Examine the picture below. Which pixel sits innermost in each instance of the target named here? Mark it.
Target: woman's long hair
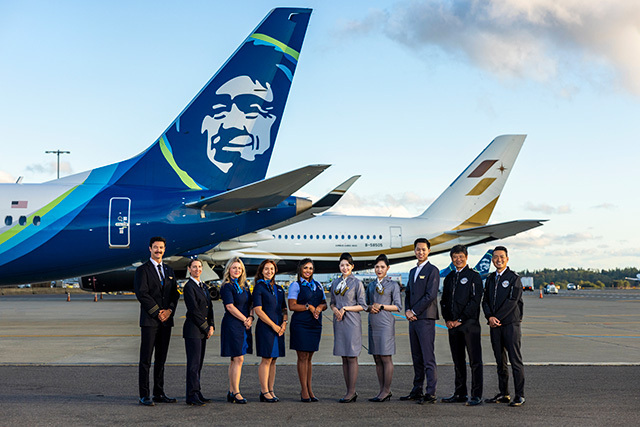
(260, 275)
(301, 264)
(227, 278)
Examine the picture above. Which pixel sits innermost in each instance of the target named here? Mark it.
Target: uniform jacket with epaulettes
(153, 296)
(199, 315)
(503, 300)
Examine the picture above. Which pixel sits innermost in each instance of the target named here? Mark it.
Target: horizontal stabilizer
(325, 203)
(501, 230)
(263, 194)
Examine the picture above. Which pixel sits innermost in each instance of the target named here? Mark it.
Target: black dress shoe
(456, 398)
(378, 399)
(517, 401)
(349, 400)
(313, 399)
(474, 401)
(195, 402)
(264, 398)
(163, 398)
(412, 396)
(499, 398)
(233, 398)
(428, 398)
(146, 401)
(203, 399)
(274, 396)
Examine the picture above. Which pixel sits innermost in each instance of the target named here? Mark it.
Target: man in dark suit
(503, 308)
(422, 312)
(198, 328)
(157, 290)
(460, 303)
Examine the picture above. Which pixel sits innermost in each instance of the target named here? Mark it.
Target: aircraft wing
(325, 203)
(262, 194)
(501, 230)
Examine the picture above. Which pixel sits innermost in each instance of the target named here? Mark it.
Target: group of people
(462, 298)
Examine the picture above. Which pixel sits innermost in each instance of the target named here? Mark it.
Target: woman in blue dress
(383, 298)
(307, 301)
(271, 309)
(235, 336)
(347, 301)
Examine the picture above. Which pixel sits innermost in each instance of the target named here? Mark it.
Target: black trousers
(195, 348)
(505, 341)
(466, 337)
(422, 335)
(153, 338)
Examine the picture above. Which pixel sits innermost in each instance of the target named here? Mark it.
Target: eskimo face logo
(240, 126)
(485, 263)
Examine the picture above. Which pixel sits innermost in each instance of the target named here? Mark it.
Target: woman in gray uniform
(383, 297)
(347, 300)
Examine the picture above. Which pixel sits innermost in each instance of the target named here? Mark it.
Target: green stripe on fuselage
(184, 177)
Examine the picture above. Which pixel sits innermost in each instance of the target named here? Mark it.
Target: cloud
(548, 209)
(534, 239)
(404, 205)
(532, 39)
(50, 168)
(6, 177)
(606, 206)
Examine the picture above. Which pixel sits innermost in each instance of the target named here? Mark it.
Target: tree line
(586, 278)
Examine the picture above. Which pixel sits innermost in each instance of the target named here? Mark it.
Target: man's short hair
(501, 248)
(157, 239)
(458, 249)
(422, 240)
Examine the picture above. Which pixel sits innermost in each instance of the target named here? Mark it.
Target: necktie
(161, 275)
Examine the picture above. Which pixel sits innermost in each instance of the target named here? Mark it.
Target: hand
(410, 316)
(210, 332)
(311, 308)
(248, 322)
(375, 308)
(317, 312)
(494, 322)
(163, 315)
(338, 314)
(282, 328)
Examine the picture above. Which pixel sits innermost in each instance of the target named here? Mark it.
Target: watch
(381, 307)
(306, 306)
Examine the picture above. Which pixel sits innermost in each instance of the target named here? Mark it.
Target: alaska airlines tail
(471, 198)
(224, 138)
(482, 267)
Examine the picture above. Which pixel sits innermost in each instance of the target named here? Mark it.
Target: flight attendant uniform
(235, 339)
(347, 333)
(270, 297)
(306, 329)
(382, 325)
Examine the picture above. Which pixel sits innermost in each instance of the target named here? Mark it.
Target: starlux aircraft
(200, 183)
(460, 215)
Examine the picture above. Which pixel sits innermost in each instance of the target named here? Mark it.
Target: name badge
(464, 280)
(421, 277)
(505, 284)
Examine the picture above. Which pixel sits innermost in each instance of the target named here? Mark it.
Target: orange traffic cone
(95, 297)
(68, 296)
(540, 293)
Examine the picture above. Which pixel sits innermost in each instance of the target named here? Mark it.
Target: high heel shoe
(384, 399)
(231, 398)
(274, 396)
(349, 400)
(264, 398)
(302, 399)
(314, 399)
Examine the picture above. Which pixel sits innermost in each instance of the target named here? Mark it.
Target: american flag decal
(19, 204)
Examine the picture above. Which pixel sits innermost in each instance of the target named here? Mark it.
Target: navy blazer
(153, 296)
(503, 300)
(199, 311)
(422, 295)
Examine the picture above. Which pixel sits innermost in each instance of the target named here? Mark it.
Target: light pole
(58, 152)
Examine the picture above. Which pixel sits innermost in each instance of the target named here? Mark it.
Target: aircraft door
(396, 236)
(119, 220)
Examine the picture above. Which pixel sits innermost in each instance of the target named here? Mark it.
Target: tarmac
(75, 363)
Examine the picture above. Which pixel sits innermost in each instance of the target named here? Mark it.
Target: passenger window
(298, 237)
(374, 237)
(311, 236)
(36, 220)
(286, 237)
(22, 220)
(324, 236)
(329, 236)
(305, 237)
(361, 237)
(8, 220)
(342, 237)
(349, 237)
(380, 237)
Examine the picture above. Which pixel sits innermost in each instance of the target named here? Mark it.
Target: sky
(404, 93)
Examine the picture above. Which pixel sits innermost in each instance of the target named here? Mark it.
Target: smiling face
(157, 251)
(422, 252)
(236, 270)
(307, 271)
(268, 271)
(195, 270)
(240, 124)
(381, 269)
(459, 260)
(345, 268)
(500, 260)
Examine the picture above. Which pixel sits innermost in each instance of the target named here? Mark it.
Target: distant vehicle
(550, 289)
(571, 287)
(24, 286)
(527, 283)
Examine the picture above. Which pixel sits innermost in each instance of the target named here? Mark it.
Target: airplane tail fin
(483, 266)
(225, 137)
(473, 195)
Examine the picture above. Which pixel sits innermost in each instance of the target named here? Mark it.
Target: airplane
(460, 215)
(482, 267)
(200, 183)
